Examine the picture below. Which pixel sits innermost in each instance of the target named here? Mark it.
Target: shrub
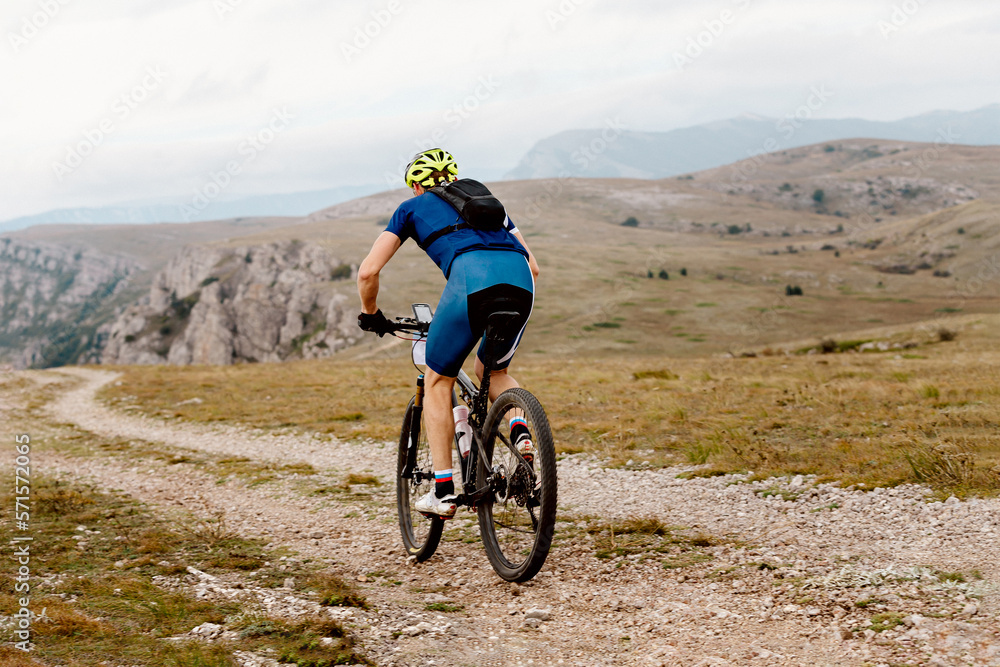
(828, 148)
(664, 275)
(661, 374)
(630, 222)
(818, 196)
(734, 229)
(684, 272)
(961, 230)
(948, 464)
(944, 334)
(828, 346)
(341, 272)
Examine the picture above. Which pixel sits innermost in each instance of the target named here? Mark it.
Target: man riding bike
(487, 272)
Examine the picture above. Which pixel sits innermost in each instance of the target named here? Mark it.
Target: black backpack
(475, 204)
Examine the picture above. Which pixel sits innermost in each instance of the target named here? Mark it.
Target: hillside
(62, 285)
(619, 152)
(739, 250)
(705, 263)
(150, 244)
(53, 299)
(863, 177)
(219, 305)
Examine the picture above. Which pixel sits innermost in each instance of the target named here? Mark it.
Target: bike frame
(477, 400)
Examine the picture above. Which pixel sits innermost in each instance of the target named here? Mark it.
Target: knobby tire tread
(424, 549)
(545, 455)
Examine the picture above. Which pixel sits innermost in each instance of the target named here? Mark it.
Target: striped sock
(517, 426)
(444, 485)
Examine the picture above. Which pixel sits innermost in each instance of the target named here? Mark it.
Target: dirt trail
(780, 588)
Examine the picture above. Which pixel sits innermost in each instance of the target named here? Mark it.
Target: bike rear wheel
(420, 534)
(517, 517)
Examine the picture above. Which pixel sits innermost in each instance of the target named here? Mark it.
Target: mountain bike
(515, 499)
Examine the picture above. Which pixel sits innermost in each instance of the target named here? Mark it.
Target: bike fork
(411, 450)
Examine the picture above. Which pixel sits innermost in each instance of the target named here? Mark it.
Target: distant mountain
(612, 152)
(290, 204)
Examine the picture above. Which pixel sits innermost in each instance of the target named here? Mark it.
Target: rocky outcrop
(53, 299)
(215, 305)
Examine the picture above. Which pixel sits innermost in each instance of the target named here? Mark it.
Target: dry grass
(650, 537)
(866, 418)
(333, 591)
(100, 600)
(12, 657)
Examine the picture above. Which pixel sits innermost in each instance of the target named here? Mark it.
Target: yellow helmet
(426, 164)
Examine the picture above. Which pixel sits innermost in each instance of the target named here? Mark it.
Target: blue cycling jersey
(421, 216)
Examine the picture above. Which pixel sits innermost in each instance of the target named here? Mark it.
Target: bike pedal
(430, 515)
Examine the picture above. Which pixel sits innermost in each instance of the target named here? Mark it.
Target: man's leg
(500, 381)
(438, 418)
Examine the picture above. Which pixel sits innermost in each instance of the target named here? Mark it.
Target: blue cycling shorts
(481, 282)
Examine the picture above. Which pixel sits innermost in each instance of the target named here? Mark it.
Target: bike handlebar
(410, 325)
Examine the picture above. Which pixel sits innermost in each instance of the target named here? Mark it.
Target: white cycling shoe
(431, 505)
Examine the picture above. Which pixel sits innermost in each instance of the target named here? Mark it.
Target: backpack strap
(475, 205)
(426, 243)
(456, 196)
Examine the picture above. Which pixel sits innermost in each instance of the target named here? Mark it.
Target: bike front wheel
(517, 516)
(421, 535)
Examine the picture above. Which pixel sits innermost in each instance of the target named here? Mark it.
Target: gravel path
(791, 561)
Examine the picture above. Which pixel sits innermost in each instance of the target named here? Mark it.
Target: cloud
(370, 82)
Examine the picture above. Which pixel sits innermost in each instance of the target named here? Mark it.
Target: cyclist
(487, 272)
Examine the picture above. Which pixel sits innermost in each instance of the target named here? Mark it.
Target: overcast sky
(120, 100)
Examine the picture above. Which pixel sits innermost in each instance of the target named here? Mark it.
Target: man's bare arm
(383, 249)
(531, 257)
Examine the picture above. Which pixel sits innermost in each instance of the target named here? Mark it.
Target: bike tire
(421, 535)
(517, 535)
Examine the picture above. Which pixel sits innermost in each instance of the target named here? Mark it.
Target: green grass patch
(864, 603)
(886, 621)
(335, 592)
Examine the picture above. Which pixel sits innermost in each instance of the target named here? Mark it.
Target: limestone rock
(52, 298)
(217, 305)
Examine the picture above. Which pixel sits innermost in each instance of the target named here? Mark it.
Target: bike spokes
(518, 516)
(420, 534)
